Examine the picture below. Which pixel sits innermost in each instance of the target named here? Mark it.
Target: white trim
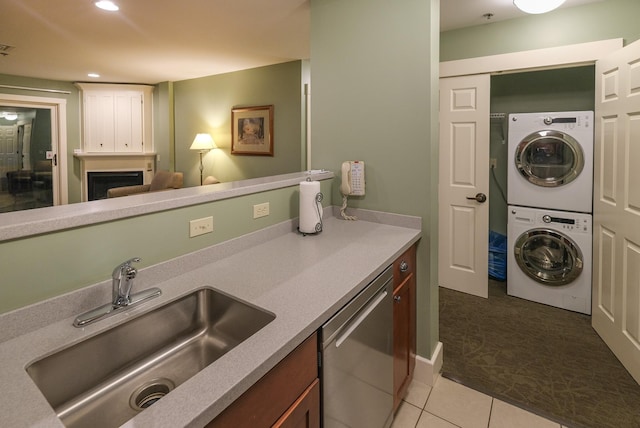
(427, 371)
(569, 55)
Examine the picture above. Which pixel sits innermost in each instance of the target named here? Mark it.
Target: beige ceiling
(150, 41)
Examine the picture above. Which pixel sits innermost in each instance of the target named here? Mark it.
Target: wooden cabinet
(287, 396)
(305, 412)
(404, 323)
(116, 118)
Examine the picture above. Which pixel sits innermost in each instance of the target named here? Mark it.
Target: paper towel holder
(318, 201)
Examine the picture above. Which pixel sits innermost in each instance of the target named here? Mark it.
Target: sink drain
(149, 393)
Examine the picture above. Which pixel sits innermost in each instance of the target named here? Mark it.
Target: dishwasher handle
(360, 319)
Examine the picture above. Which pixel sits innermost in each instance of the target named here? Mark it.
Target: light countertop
(303, 280)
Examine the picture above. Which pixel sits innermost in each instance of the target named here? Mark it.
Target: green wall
(204, 105)
(40, 136)
(373, 83)
(163, 126)
(72, 259)
(568, 89)
(596, 21)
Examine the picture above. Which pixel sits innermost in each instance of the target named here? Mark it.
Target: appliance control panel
(572, 224)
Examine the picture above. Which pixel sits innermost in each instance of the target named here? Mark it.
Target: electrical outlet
(494, 163)
(261, 210)
(200, 226)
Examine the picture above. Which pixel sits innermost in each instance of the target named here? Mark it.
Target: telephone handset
(352, 178)
(352, 184)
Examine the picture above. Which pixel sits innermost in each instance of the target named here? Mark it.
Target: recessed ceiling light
(94, 75)
(107, 5)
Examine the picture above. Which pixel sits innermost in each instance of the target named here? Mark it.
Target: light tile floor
(449, 405)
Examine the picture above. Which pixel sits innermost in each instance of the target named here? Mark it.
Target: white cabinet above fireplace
(117, 118)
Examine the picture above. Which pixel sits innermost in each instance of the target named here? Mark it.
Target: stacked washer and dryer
(549, 231)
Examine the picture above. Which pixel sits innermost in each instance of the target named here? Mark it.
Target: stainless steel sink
(109, 378)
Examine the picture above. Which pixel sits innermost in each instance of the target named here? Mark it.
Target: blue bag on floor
(497, 256)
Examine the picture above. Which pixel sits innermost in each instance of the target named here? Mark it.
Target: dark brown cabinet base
(404, 323)
(287, 396)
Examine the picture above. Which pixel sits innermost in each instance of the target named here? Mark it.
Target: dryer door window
(549, 158)
(548, 256)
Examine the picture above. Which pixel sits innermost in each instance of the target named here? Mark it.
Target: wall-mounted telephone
(352, 178)
(352, 184)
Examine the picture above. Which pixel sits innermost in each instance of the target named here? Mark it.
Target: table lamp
(203, 143)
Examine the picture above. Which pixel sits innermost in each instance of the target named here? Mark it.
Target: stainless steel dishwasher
(357, 360)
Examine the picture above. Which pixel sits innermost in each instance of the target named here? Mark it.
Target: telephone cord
(344, 207)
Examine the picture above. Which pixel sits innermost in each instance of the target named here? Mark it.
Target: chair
(163, 180)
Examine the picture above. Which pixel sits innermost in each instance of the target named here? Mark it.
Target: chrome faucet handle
(122, 267)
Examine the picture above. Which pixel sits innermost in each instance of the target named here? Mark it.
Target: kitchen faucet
(121, 297)
(122, 281)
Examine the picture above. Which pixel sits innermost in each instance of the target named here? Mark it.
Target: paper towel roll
(310, 207)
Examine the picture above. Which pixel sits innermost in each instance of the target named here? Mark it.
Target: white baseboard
(427, 371)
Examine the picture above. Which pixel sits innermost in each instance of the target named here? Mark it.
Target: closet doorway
(615, 276)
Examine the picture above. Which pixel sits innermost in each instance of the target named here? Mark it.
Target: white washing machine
(551, 160)
(549, 257)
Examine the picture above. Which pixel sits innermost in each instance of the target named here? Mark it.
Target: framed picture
(252, 130)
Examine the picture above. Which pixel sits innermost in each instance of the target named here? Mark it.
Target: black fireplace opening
(99, 182)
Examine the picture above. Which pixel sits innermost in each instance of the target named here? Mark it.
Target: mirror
(195, 110)
(170, 48)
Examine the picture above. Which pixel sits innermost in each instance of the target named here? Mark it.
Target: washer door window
(548, 257)
(549, 158)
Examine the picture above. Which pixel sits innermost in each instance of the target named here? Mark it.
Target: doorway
(32, 134)
(25, 171)
(565, 89)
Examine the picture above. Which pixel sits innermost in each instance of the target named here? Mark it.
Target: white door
(8, 149)
(616, 206)
(463, 212)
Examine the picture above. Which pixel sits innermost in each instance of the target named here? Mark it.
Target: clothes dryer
(549, 258)
(551, 160)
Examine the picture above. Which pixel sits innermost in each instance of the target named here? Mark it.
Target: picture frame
(252, 130)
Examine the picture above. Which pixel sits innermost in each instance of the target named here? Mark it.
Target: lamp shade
(537, 6)
(203, 142)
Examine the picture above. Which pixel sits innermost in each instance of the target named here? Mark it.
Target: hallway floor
(543, 359)
(450, 405)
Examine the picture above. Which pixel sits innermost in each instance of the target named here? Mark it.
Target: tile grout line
(490, 412)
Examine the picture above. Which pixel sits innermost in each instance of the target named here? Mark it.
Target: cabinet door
(277, 393)
(128, 123)
(305, 412)
(98, 122)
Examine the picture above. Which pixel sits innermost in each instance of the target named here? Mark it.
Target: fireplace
(98, 182)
